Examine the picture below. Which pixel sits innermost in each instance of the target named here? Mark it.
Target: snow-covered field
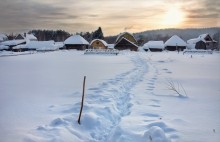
(126, 97)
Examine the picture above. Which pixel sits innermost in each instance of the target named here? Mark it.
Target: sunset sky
(114, 16)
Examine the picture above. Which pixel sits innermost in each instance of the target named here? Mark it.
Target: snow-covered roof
(76, 39)
(41, 45)
(27, 36)
(3, 47)
(31, 37)
(154, 44)
(203, 36)
(102, 41)
(121, 34)
(13, 42)
(127, 41)
(175, 41)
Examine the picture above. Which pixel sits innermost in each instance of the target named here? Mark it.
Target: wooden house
(204, 41)
(76, 42)
(175, 43)
(126, 41)
(125, 44)
(98, 44)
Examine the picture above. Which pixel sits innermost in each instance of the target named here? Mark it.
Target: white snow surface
(126, 97)
(76, 39)
(175, 41)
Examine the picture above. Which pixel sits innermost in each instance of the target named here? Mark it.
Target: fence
(102, 51)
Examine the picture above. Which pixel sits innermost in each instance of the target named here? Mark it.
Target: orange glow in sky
(114, 16)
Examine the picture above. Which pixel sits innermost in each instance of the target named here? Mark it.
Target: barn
(204, 41)
(175, 43)
(154, 46)
(126, 41)
(98, 44)
(125, 44)
(76, 42)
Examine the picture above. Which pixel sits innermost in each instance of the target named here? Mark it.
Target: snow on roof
(154, 44)
(102, 41)
(76, 39)
(200, 38)
(31, 37)
(203, 36)
(193, 41)
(127, 41)
(13, 42)
(121, 34)
(175, 41)
(27, 36)
(3, 47)
(42, 45)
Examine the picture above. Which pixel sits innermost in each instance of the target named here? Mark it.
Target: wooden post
(80, 113)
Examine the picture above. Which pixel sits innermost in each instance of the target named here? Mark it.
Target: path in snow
(146, 122)
(105, 106)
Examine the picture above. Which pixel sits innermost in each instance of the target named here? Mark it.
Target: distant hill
(164, 34)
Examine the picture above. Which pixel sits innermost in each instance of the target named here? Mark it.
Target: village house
(154, 46)
(76, 42)
(175, 43)
(204, 41)
(126, 41)
(98, 44)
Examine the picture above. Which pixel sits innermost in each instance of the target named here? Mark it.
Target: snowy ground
(126, 97)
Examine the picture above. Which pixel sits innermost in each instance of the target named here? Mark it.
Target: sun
(173, 17)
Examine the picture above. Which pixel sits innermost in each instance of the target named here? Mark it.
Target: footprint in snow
(154, 105)
(150, 115)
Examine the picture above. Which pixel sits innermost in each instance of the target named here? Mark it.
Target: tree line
(60, 35)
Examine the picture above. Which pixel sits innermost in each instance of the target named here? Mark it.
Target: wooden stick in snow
(80, 113)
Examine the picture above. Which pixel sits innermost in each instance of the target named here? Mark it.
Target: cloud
(114, 16)
(28, 14)
(203, 9)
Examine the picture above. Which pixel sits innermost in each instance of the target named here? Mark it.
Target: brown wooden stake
(80, 113)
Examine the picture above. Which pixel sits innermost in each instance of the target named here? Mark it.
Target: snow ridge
(104, 107)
